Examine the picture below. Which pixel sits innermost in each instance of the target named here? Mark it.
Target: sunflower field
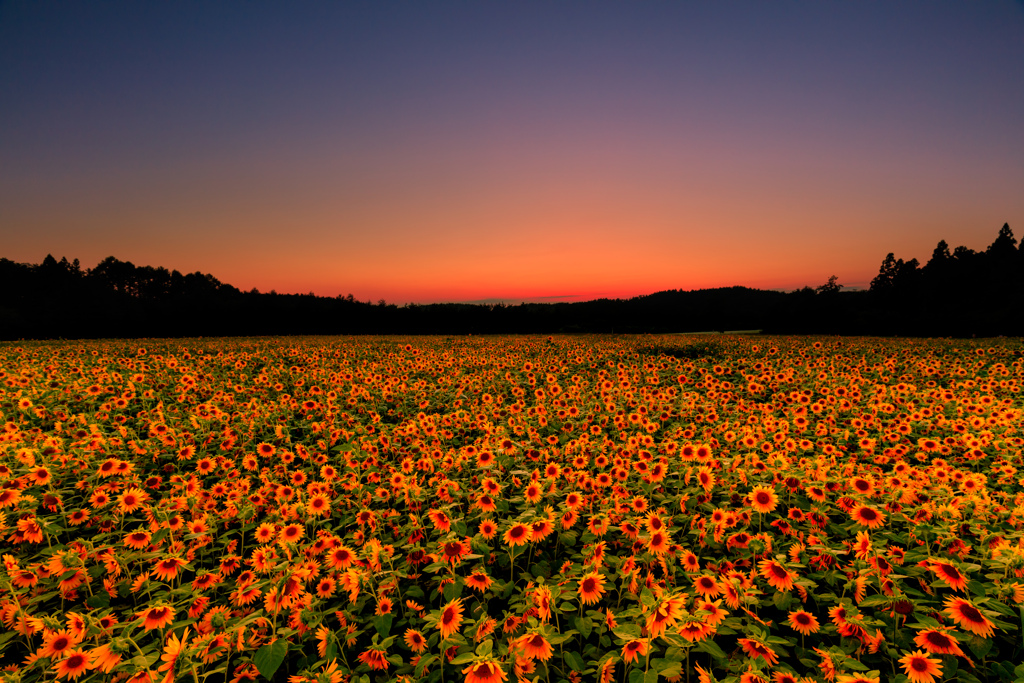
(611, 509)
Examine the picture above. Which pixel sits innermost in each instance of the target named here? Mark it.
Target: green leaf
(269, 657)
(98, 600)
(383, 624)
(627, 631)
(667, 668)
(453, 590)
(584, 625)
(651, 676)
(485, 648)
(424, 663)
(560, 638)
(144, 662)
(464, 658)
(574, 661)
(979, 646)
(781, 600)
(712, 648)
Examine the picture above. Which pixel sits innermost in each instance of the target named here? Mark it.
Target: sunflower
(536, 646)
(863, 486)
(479, 581)
(291, 534)
(319, 506)
(325, 587)
(204, 581)
(488, 529)
(939, 642)
(763, 499)
(690, 562)
(156, 617)
(167, 568)
(8, 497)
(374, 658)
(57, 644)
(591, 588)
(24, 578)
(778, 576)
(969, 617)
(532, 493)
(713, 612)
(517, 534)
(172, 651)
(920, 668)
(542, 601)
(694, 630)
(817, 494)
(486, 671)
(131, 500)
(72, 666)
(803, 622)
(706, 478)
(341, 557)
(862, 547)
(453, 551)
(754, 648)
(440, 520)
(706, 586)
(664, 616)
(540, 530)
(634, 649)
(658, 543)
(867, 516)
(103, 659)
(415, 640)
(450, 619)
(950, 575)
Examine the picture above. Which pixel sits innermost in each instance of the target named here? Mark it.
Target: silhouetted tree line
(958, 293)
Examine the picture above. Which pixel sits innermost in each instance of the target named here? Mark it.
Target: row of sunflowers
(635, 509)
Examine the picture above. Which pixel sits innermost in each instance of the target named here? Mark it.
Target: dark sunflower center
(971, 614)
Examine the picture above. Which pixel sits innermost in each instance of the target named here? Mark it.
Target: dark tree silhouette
(957, 293)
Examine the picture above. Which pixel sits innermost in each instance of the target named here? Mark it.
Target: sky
(482, 151)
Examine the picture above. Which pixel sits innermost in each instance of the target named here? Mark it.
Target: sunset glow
(463, 152)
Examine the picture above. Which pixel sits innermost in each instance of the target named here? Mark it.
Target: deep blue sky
(465, 150)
